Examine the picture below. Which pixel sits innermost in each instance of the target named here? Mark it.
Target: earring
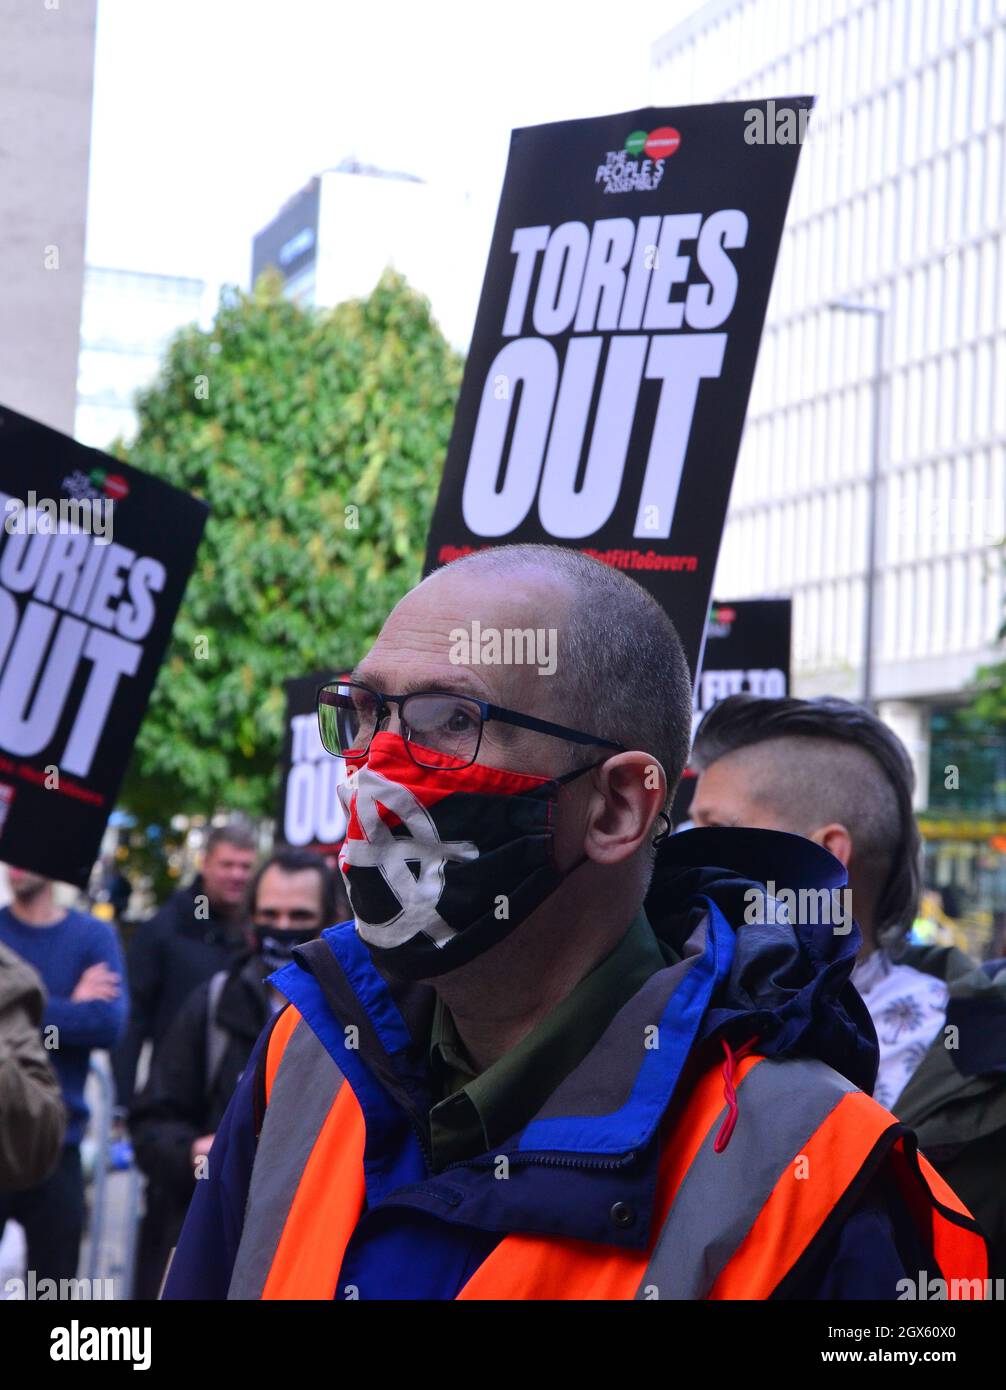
(659, 839)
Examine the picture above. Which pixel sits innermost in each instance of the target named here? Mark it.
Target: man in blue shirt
(78, 958)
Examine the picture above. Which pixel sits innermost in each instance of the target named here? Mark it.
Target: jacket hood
(794, 949)
(957, 1095)
(976, 1005)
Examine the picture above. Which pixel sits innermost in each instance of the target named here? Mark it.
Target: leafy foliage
(317, 437)
(987, 708)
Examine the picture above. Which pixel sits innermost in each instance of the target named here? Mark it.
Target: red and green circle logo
(116, 487)
(656, 144)
(662, 142)
(113, 485)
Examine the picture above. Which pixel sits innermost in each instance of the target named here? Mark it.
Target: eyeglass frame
(488, 712)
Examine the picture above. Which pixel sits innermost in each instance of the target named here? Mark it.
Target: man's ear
(630, 791)
(836, 839)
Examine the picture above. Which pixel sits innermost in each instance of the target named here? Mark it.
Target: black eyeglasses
(439, 729)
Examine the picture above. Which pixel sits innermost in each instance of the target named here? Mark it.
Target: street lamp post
(879, 314)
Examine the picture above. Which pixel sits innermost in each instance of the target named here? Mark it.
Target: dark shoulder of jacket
(179, 907)
(864, 1254)
(258, 1086)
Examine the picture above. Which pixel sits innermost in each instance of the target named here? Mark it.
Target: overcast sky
(209, 114)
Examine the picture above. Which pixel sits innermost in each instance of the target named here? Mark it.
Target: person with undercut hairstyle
(835, 773)
(550, 1058)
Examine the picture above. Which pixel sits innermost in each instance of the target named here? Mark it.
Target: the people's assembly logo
(92, 486)
(624, 171)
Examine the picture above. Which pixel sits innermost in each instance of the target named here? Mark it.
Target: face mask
(276, 947)
(441, 864)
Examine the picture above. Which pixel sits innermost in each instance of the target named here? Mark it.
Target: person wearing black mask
(292, 898)
(558, 1053)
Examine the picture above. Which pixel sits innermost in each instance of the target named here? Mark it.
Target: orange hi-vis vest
(727, 1225)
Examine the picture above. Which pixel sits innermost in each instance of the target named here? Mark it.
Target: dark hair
(951, 900)
(623, 673)
(877, 809)
(239, 834)
(295, 861)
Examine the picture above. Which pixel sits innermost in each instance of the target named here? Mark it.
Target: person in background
(199, 1063)
(835, 773)
(197, 932)
(936, 924)
(113, 889)
(79, 961)
(32, 1113)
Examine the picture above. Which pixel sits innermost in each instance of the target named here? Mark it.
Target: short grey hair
(623, 675)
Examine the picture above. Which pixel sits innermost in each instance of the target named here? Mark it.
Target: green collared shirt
(476, 1112)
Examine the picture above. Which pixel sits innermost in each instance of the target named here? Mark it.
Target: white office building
(332, 240)
(127, 320)
(900, 204)
(46, 83)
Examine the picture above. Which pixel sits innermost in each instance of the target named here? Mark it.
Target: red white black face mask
(441, 863)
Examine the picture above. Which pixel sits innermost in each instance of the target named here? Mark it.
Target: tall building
(333, 238)
(46, 79)
(899, 204)
(127, 320)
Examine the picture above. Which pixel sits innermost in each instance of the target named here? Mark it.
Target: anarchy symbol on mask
(418, 896)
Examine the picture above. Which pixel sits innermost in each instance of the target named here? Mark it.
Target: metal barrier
(109, 1257)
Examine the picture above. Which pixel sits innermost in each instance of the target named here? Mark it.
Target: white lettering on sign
(313, 813)
(712, 686)
(83, 606)
(647, 297)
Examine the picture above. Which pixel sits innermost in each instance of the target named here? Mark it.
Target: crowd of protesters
(185, 1007)
(525, 1036)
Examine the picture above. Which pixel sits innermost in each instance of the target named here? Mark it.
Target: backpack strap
(217, 1038)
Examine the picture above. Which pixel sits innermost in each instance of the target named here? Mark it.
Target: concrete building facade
(899, 206)
(333, 238)
(46, 81)
(127, 319)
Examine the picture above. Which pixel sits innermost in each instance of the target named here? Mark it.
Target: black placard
(605, 390)
(747, 652)
(94, 559)
(309, 814)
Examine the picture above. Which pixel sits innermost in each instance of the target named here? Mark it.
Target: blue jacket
(61, 953)
(593, 1146)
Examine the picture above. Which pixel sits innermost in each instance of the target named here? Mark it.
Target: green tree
(317, 437)
(987, 707)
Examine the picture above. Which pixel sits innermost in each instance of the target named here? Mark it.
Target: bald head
(613, 666)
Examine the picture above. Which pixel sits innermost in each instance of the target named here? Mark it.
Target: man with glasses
(549, 1058)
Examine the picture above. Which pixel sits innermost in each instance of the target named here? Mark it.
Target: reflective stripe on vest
(779, 1120)
(308, 1171)
(729, 1225)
